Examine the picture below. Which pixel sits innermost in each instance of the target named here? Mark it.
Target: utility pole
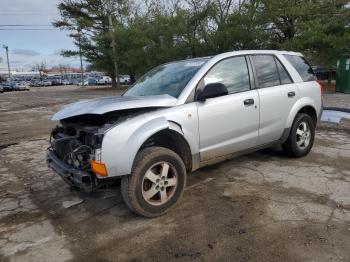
(8, 61)
(81, 57)
(113, 43)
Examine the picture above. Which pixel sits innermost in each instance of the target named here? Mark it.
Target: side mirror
(212, 90)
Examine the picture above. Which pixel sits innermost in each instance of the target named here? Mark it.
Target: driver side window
(232, 72)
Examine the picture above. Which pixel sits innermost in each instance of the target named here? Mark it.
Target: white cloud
(25, 52)
(27, 48)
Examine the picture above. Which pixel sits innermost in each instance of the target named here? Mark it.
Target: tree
(156, 32)
(313, 26)
(41, 68)
(281, 18)
(325, 34)
(243, 29)
(163, 34)
(63, 70)
(223, 9)
(90, 19)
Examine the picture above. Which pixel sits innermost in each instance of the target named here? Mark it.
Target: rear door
(277, 94)
(228, 123)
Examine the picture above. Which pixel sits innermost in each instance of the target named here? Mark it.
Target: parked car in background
(35, 83)
(75, 81)
(9, 86)
(86, 83)
(92, 81)
(323, 74)
(104, 80)
(56, 81)
(124, 79)
(66, 82)
(22, 86)
(1, 89)
(182, 116)
(46, 83)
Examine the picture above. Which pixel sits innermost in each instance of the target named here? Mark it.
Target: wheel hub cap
(159, 183)
(303, 135)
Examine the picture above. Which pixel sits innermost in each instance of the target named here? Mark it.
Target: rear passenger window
(302, 66)
(266, 70)
(284, 76)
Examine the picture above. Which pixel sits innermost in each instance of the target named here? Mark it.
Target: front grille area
(64, 146)
(73, 148)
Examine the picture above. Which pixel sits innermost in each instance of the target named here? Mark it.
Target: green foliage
(158, 32)
(325, 34)
(319, 28)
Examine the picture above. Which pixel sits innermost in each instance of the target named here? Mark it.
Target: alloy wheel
(303, 135)
(159, 183)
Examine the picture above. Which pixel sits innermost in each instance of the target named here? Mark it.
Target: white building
(4, 73)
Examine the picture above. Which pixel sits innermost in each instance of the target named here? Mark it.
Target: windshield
(169, 79)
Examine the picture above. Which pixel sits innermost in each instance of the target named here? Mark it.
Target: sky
(28, 47)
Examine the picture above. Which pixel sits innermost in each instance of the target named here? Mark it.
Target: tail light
(321, 86)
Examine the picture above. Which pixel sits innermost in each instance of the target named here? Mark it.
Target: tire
(300, 141)
(137, 189)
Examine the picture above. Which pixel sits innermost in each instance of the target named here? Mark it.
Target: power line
(28, 29)
(24, 25)
(37, 13)
(36, 10)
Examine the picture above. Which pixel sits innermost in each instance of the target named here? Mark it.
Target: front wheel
(156, 182)
(301, 137)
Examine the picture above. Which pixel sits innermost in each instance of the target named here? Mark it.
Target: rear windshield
(302, 66)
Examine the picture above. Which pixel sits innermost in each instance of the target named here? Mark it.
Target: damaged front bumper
(83, 180)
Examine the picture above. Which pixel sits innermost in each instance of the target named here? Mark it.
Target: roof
(240, 52)
(245, 52)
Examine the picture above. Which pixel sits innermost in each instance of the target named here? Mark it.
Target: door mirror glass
(212, 90)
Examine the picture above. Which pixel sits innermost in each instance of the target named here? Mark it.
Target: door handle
(249, 102)
(291, 94)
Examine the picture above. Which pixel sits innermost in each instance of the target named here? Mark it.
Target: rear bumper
(82, 180)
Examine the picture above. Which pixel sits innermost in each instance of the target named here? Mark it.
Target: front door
(230, 123)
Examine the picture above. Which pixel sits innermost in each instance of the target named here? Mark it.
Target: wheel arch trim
(299, 105)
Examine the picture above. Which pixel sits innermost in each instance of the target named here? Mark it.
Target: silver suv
(182, 116)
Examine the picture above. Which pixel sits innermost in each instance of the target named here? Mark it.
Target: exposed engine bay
(73, 146)
(76, 141)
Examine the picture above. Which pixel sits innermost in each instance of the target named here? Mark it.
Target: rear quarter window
(284, 76)
(302, 66)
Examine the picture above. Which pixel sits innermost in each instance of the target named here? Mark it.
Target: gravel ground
(259, 207)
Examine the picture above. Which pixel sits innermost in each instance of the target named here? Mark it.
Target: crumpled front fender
(121, 144)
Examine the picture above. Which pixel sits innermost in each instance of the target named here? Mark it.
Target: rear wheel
(156, 183)
(301, 137)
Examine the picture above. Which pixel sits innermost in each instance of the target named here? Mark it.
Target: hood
(108, 104)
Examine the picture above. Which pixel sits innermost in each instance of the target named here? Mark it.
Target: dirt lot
(259, 207)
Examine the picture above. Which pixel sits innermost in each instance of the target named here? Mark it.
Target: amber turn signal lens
(99, 168)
